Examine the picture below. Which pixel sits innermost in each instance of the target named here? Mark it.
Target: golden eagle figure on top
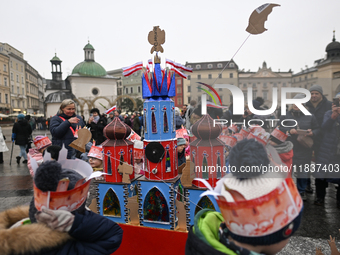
(156, 37)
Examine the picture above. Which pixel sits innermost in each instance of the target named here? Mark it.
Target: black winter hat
(95, 110)
(248, 153)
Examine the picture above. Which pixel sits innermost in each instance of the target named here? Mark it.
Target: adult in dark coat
(21, 133)
(302, 155)
(127, 120)
(64, 125)
(318, 105)
(97, 124)
(329, 154)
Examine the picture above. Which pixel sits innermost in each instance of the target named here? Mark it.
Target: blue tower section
(159, 109)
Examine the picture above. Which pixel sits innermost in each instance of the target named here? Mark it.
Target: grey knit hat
(180, 141)
(317, 88)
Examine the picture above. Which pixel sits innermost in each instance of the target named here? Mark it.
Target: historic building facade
(209, 73)
(91, 85)
(17, 78)
(32, 89)
(5, 92)
(262, 83)
(325, 72)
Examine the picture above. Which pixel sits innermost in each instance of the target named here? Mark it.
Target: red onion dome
(204, 128)
(116, 130)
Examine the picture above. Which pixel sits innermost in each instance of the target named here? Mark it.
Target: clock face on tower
(265, 73)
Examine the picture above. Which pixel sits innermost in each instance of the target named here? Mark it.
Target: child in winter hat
(41, 144)
(260, 211)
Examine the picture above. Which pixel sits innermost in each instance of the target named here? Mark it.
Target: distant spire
(333, 35)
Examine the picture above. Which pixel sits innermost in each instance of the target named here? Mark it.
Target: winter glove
(14, 135)
(56, 219)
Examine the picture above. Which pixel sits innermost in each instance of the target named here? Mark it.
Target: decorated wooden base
(198, 203)
(143, 240)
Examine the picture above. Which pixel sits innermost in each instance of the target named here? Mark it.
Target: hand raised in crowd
(335, 111)
(91, 119)
(74, 120)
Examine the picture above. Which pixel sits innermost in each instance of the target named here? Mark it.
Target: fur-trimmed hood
(26, 239)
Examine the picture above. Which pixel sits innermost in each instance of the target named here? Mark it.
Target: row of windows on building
(199, 89)
(16, 66)
(18, 90)
(32, 89)
(264, 95)
(31, 78)
(22, 78)
(131, 90)
(264, 85)
(210, 66)
(18, 104)
(5, 67)
(199, 77)
(32, 102)
(300, 78)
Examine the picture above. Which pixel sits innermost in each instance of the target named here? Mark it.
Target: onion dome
(333, 48)
(89, 69)
(204, 128)
(116, 130)
(55, 58)
(88, 46)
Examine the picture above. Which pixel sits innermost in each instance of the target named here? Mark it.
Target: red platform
(144, 240)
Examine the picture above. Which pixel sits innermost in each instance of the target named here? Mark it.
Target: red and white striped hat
(41, 142)
(96, 152)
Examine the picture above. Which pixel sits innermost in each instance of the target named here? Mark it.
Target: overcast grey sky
(196, 31)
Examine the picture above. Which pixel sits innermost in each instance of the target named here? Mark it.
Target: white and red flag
(179, 72)
(211, 104)
(111, 109)
(178, 65)
(133, 68)
(149, 65)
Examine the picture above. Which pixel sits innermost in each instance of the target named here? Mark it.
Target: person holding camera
(329, 153)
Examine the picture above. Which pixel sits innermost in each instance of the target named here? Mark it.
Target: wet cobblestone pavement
(317, 222)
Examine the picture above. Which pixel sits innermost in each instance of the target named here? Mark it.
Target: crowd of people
(304, 141)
